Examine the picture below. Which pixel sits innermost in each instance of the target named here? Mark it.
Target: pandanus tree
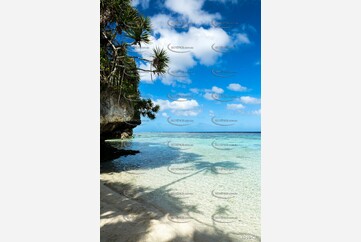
(122, 29)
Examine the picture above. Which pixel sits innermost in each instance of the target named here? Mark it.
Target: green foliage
(160, 61)
(146, 108)
(121, 27)
(140, 31)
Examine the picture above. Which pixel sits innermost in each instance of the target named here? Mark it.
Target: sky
(213, 82)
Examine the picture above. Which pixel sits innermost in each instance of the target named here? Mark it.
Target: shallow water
(210, 178)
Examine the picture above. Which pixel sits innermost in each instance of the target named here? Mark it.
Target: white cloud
(217, 89)
(181, 107)
(146, 76)
(209, 96)
(192, 45)
(165, 115)
(235, 106)
(250, 100)
(212, 94)
(192, 10)
(171, 80)
(187, 113)
(180, 104)
(236, 87)
(198, 42)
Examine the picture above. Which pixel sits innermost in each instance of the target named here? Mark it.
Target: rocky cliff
(117, 120)
(117, 116)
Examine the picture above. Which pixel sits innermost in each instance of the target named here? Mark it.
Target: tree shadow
(130, 217)
(129, 212)
(145, 158)
(221, 167)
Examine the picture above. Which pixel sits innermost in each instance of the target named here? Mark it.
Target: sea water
(210, 178)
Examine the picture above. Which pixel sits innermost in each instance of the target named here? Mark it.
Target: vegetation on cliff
(123, 28)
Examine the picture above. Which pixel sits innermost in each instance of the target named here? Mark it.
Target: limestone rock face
(117, 116)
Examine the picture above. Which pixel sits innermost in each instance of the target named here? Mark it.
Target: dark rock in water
(109, 153)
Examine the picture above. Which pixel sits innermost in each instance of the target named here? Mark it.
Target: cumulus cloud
(217, 89)
(193, 45)
(181, 107)
(197, 41)
(236, 87)
(250, 100)
(209, 96)
(234, 106)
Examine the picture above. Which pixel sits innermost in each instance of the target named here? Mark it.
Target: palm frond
(160, 61)
(139, 31)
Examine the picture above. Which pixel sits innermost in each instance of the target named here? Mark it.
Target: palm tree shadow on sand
(128, 212)
(171, 156)
(128, 216)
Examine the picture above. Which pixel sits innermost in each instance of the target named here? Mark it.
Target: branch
(145, 70)
(109, 41)
(139, 58)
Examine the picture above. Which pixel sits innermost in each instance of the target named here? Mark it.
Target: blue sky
(214, 77)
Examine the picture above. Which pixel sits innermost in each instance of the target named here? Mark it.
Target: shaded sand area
(126, 220)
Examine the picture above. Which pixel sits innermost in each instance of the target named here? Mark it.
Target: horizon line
(199, 132)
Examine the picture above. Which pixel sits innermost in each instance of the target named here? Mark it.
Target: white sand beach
(127, 220)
